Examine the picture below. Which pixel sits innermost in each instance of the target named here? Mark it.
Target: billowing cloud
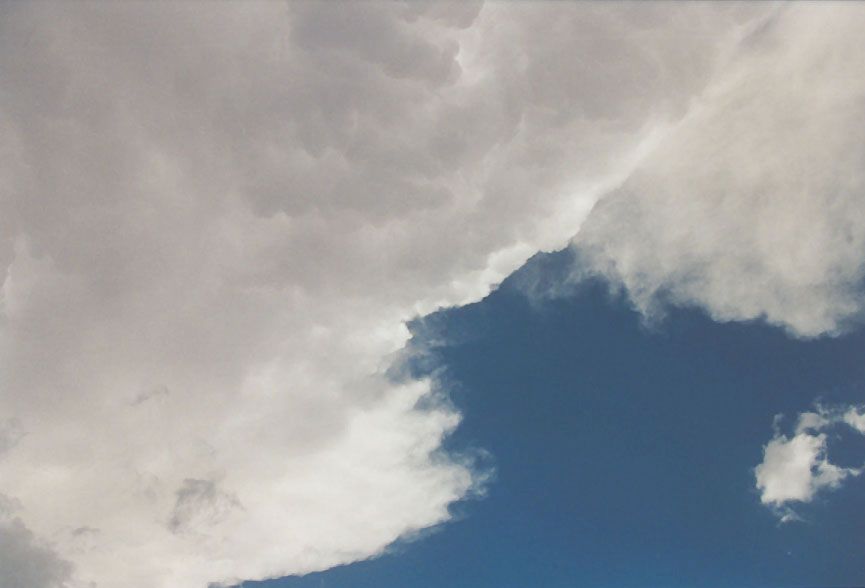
(752, 204)
(796, 467)
(216, 219)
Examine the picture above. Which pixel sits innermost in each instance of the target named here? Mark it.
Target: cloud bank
(796, 468)
(216, 219)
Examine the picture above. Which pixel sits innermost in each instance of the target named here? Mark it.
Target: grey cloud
(244, 203)
(24, 563)
(151, 394)
(10, 434)
(370, 34)
(200, 502)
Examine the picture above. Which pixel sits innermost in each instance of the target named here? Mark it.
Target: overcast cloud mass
(216, 219)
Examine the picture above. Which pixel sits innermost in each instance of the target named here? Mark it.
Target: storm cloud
(217, 218)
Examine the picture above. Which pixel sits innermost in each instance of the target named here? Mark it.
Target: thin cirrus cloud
(218, 217)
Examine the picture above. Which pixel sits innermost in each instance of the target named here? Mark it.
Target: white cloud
(751, 207)
(216, 219)
(856, 419)
(794, 469)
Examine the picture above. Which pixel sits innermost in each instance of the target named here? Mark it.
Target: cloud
(751, 205)
(796, 468)
(10, 435)
(199, 503)
(24, 561)
(856, 419)
(216, 219)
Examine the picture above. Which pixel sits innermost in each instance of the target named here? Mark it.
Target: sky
(624, 453)
(431, 293)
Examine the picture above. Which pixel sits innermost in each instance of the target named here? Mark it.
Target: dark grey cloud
(24, 563)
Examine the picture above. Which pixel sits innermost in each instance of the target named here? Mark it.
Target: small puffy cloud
(795, 468)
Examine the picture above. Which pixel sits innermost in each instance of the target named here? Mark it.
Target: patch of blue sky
(623, 453)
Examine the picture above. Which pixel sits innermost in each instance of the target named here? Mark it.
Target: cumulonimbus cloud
(217, 218)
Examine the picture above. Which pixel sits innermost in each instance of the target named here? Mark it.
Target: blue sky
(624, 453)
